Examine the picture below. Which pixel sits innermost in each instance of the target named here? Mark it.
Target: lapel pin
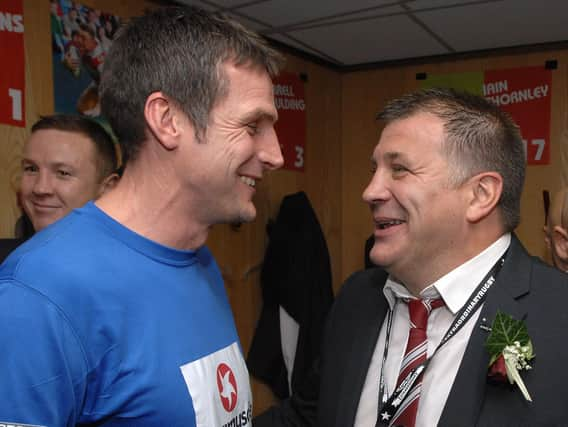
(484, 327)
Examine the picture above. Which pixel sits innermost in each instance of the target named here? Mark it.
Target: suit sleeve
(300, 410)
(42, 365)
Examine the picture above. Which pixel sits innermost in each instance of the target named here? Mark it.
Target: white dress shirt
(455, 288)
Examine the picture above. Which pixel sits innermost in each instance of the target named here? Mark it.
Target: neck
(153, 205)
(419, 278)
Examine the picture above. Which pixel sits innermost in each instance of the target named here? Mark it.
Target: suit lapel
(363, 345)
(464, 403)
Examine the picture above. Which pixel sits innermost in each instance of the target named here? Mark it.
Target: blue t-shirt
(99, 324)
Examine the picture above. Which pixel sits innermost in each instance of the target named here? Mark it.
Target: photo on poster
(81, 37)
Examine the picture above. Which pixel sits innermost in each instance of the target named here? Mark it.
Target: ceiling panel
(250, 22)
(280, 13)
(429, 4)
(361, 42)
(355, 32)
(290, 41)
(499, 24)
(358, 16)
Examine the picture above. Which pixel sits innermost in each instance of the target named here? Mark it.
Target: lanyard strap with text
(388, 406)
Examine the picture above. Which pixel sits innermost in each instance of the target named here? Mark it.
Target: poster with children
(81, 37)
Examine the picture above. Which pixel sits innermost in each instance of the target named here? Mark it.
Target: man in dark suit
(445, 198)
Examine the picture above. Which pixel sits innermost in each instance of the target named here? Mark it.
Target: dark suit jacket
(7, 246)
(526, 289)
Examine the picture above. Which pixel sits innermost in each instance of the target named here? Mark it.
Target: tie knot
(419, 310)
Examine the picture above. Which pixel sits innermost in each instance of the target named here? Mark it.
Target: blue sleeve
(42, 364)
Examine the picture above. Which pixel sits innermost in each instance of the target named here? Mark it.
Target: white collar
(456, 286)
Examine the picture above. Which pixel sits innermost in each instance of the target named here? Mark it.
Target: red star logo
(227, 387)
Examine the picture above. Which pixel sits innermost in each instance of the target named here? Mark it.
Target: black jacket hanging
(296, 274)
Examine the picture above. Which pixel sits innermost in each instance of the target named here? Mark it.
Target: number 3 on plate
(299, 163)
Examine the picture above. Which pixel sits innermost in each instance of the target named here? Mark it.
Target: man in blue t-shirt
(117, 314)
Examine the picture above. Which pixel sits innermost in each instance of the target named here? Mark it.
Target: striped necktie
(415, 354)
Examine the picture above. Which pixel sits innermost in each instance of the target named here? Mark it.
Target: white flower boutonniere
(510, 349)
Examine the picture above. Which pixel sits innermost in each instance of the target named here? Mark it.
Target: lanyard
(388, 406)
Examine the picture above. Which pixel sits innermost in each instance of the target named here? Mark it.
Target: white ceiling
(354, 33)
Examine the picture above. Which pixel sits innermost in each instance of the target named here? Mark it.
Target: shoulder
(7, 246)
(360, 294)
(48, 289)
(537, 270)
(68, 241)
(363, 282)
(57, 265)
(27, 313)
(34, 279)
(61, 246)
(550, 281)
(528, 274)
(38, 327)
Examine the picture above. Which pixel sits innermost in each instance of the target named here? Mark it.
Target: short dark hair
(178, 51)
(105, 148)
(479, 137)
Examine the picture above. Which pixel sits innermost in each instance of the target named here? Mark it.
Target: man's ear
(560, 242)
(163, 120)
(108, 184)
(485, 192)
